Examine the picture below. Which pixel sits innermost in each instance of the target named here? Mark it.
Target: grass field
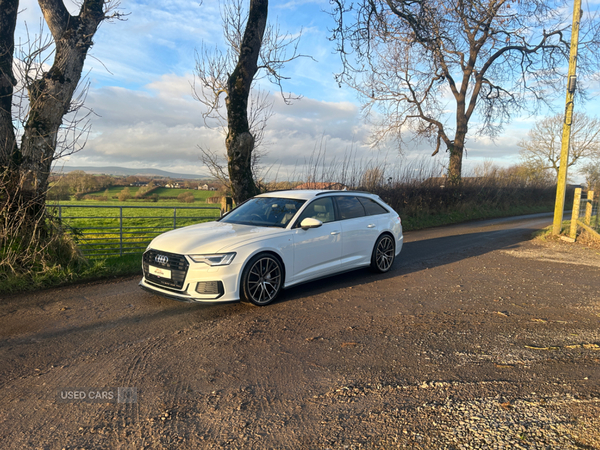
(113, 191)
(114, 227)
(198, 195)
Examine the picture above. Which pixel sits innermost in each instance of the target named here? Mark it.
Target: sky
(141, 72)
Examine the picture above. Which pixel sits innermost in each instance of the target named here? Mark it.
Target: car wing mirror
(309, 222)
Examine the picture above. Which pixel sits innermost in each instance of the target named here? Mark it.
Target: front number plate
(159, 272)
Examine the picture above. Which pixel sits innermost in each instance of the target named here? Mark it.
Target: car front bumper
(202, 283)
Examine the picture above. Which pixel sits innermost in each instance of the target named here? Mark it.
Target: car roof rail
(332, 191)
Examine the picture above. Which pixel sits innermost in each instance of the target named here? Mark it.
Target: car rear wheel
(262, 279)
(384, 253)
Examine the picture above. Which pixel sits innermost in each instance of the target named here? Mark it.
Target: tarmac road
(479, 337)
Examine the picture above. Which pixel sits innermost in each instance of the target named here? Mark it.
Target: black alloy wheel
(384, 253)
(262, 279)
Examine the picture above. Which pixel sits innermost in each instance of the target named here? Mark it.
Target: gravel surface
(478, 338)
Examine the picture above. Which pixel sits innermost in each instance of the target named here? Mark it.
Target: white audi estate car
(273, 241)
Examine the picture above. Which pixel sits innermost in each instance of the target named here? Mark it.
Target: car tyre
(262, 279)
(384, 253)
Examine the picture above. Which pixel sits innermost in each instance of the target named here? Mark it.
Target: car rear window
(372, 207)
(349, 207)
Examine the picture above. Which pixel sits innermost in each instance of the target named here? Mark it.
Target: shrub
(97, 198)
(58, 192)
(186, 197)
(124, 195)
(32, 237)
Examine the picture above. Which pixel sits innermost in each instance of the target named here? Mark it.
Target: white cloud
(162, 126)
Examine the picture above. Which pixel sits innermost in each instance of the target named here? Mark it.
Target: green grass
(546, 233)
(198, 195)
(416, 222)
(114, 191)
(140, 225)
(128, 265)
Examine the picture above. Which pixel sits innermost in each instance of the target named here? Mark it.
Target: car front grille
(177, 264)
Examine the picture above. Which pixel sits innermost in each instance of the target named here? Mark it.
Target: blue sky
(141, 71)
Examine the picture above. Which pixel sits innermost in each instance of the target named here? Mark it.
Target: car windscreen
(265, 212)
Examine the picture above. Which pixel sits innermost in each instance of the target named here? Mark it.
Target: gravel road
(479, 337)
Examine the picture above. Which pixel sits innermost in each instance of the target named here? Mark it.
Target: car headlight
(221, 259)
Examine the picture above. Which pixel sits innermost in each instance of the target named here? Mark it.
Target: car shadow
(416, 256)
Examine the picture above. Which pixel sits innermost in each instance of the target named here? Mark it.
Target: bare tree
(542, 146)
(591, 172)
(430, 66)
(255, 50)
(8, 22)
(51, 95)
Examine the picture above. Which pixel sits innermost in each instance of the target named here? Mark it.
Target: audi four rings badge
(161, 259)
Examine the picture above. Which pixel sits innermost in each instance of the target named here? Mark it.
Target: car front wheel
(384, 253)
(262, 279)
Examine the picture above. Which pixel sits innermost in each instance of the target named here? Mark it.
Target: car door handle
(371, 225)
(335, 233)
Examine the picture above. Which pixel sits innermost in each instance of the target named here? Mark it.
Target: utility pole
(561, 187)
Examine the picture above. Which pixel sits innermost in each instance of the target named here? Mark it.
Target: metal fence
(585, 214)
(102, 231)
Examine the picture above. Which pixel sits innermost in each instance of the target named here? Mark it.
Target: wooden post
(588, 208)
(226, 205)
(561, 186)
(597, 221)
(575, 215)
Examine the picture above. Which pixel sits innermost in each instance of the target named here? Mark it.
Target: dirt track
(478, 338)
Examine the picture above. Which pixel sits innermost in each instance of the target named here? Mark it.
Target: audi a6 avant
(270, 242)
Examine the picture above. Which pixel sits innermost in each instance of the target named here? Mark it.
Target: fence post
(175, 218)
(588, 208)
(226, 205)
(120, 231)
(596, 208)
(575, 215)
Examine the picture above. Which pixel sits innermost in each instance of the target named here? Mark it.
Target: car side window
(372, 207)
(349, 207)
(321, 209)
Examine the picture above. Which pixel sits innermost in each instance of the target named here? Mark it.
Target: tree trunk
(240, 142)
(455, 166)
(12, 200)
(25, 170)
(456, 150)
(50, 96)
(8, 22)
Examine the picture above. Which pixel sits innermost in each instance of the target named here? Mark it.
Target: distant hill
(124, 171)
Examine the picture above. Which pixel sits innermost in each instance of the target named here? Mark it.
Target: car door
(359, 232)
(317, 251)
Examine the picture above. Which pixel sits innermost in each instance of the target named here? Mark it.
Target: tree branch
(56, 16)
